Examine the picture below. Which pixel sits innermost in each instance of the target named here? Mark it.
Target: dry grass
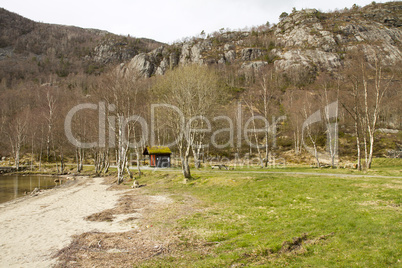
(395, 185)
(154, 234)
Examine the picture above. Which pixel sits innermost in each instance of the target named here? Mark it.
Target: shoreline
(69, 180)
(34, 228)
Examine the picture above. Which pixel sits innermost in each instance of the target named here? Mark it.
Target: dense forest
(71, 95)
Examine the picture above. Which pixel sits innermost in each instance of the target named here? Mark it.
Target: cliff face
(314, 40)
(306, 39)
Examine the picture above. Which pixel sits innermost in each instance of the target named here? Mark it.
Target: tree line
(202, 111)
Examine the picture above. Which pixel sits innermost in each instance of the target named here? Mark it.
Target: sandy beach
(35, 228)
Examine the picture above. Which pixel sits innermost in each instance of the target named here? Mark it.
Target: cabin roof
(156, 150)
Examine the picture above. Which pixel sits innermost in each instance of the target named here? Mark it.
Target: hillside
(289, 70)
(304, 42)
(29, 49)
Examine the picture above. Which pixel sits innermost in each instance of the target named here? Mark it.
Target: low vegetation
(233, 219)
(240, 102)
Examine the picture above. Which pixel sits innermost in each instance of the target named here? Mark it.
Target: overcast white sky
(165, 20)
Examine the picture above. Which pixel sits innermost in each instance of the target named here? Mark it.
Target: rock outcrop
(154, 62)
(249, 54)
(306, 39)
(109, 51)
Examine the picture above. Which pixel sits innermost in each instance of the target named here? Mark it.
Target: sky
(165, 20)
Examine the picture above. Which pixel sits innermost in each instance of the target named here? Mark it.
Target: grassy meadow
(268, 220)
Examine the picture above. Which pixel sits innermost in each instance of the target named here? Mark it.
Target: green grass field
(271, 220)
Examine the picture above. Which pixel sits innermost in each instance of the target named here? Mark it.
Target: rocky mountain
(303, 42)
(306, 40)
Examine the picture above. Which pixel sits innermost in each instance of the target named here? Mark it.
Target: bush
(283, 16)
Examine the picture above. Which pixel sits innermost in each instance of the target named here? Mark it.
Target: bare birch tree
(262, 100)
(194, 91)
(51, 105)
(311, 128)
(373, 98)
(124, 101)
(17, 135)
(368, 85)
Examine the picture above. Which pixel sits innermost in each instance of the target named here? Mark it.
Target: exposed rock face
(228, 47)
(248, 54)
(255, 65)
(161, 59)
(196, 53)
(380, 15)
(382, 41)
(113, 49)
(230, 55)
(143, 64)
(185, 55)
(173, 59)
(309, 40)
(306, 39)
(164, 65)
(192, 52)
(307, 59)
(110, 51)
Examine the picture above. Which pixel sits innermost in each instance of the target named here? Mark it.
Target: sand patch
(34, 229)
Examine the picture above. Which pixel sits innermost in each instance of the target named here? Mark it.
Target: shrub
(283, 16)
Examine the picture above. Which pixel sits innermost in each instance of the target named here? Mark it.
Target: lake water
(14, 186)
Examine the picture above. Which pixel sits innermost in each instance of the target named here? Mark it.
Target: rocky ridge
(306, 39)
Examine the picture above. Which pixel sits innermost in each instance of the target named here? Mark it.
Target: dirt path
(321, 174)
(339, 175)
(34, 229)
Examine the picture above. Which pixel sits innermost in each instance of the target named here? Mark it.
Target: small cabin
(159, 156)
